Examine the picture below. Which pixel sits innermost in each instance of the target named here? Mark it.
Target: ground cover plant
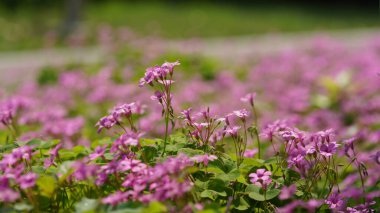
(298, 131)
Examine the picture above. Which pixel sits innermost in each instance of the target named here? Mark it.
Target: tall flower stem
(167, 115)
(166, 130)
(255, 131)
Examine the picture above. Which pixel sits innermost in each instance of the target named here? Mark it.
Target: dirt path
(24, 64)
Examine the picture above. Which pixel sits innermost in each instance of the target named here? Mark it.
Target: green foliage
(47, 75)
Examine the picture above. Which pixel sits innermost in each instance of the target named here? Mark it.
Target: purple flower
(131, 165)
(148, 78)
(83, 171)
(170, 66)
(376, 157)
(203, 158)
(48, 162)
(8, 195)
(186, 114)
(349, 146)
(158, 73)
(310, 206)
(157, 96)
(123, 110)
(233, 132)
(249, 98)
(261, 178)
(27, 181)
(54, 152)
(106, 122)
(98, 152)
(287, 192)
(6, 117)
(242, 114)
(362, 208)
(128, 139)
(329, 149)
(115, 198)
(334, 201)
(250, 153)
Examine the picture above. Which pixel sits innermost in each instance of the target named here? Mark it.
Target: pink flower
(128, 139)
(233, 132)
(242, 114)
(334, 201)
(6, 117)
(8, 195)
(203, 158)
(376, 157)
(170, 66)
(329, 149)
(115, 198)
(261, 178)
(54, 151)
(98, 152)
(250, 153)
(106, 122)
(123, 110)
(131, 165)
(249, 98)
(27, 181)
(158, 73)
(287, 192)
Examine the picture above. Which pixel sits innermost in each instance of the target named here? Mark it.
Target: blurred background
(28, 24)
(36, 33)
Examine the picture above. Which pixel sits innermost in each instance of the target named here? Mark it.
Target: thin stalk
(167, 114)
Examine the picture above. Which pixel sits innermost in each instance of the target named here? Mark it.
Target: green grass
(206, 20)
(26, 28)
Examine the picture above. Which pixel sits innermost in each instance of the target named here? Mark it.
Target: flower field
(153, 131)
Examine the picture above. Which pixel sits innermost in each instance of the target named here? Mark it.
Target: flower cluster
(164, 181)
(161, 78)
(261, 178)
(118, 113)
(202, 126)
(14, 174)
(52, 157)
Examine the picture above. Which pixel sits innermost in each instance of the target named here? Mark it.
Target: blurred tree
(73, 14)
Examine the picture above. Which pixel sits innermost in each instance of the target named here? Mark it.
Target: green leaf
(208, 194)
(38, 169)
(178, 138)
(78, 149)
(241, 204)
(108, 156)
(201, 184)
(8, 147)
(272, 193)
(231, 176)
(65, 154)
(155, 207)
(65, 170)
(256, 193)
(224, 163)
(147, 142)
(148, 153)
(34, 142)
(216, 184)
(22, 207)
(190, 152)
(46, 185)
(241, 179)
(48, 144)
(86, 205)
